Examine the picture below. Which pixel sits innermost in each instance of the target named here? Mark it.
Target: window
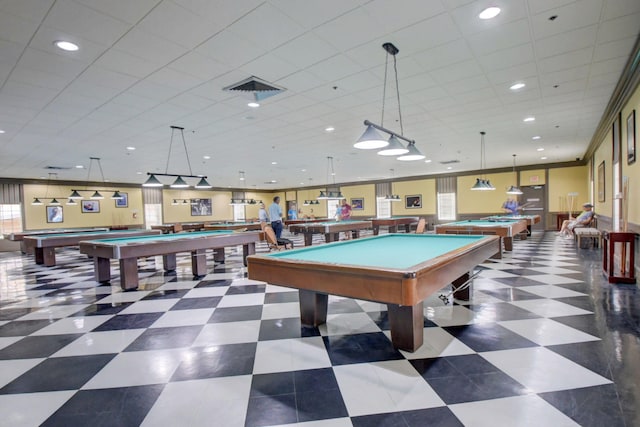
(152, 214)
(446, 206)
(238, 212)
(383, 207)
(10, 219)
(332, 207)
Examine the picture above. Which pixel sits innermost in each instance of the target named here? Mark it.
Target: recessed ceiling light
(138, 173)
(529, 119)
(543, 158)
(274, 163)
(428, 161)
(302, 183)
(206, 157)
(1, 131)
(540, 149)
(517, 86)
(253, 105)
(64, 45)
(273, 181)
(131, 148)
(330, 129)
(535, 138)
(303, 170)
(79, 166)
(490, 12)
(449, 168)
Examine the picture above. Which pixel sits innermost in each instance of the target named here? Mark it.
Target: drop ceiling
(146, 65)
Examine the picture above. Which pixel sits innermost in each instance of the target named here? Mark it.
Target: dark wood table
(178, 227)
(233, 226)
(128, 250)
(19, 236)
(400, 270)
(44, 246)
(289, 222)
(531, 219)
(330, 229)
(505, 229)
(622, 243)
(393, 223)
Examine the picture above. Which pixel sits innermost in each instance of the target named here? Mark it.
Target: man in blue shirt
(511, 207)
(275, 214)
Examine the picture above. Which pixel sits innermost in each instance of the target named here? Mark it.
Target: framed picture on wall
(601, 194)
(357, 203)
(413, 202)
(54, 214)
(201, 207)
(90, 206)
(631, 138)
(123, 202)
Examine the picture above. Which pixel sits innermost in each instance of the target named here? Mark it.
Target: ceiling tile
(494, 39)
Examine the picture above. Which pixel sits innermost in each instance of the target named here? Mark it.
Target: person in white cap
(582, 220)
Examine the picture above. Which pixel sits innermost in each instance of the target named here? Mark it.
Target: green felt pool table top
(334, 222)
(397, 251)
(163, 237)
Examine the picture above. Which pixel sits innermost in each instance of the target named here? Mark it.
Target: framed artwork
(124, 202)
(413, 202)
(90, 206)
(54, 214)
(631, 138)
(357, 203)
(601, 194)
(201, 207)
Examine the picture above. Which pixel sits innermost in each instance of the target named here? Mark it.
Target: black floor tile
(236, 314)
(102, 309)
(227, 360)
(195, 303)
(360, 348)
(589, 407)
(277, 329)
(488, 337)
(129, 321)
(163, 338)
(433, 417)
(281, 297)
(23, 327)
(501, 312)
(36, 346)
(166, 294)
(245, 289)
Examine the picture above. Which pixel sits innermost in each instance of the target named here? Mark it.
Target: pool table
(19, 236)
(177, 227)
(505, 229)
(400, 270)
(233, 226)
(393, 223)
(289, 222)
(330, 229)
(531, 219)
(128, 250)
(44, 246)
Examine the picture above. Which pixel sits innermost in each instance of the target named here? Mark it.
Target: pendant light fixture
(514, 188)
(328, 194)
(54, 200)
(481, 183)
(392, 197)
(372, 139)
(75, 194)
(179, 182)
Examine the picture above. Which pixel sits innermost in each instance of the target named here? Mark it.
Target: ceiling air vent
(256, 88)
(448, 162)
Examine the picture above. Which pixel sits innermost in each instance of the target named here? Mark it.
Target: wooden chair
(272, 240)
(421, 226)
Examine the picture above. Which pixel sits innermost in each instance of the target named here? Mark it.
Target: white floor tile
(371, 388)
(437, 343)
(214, 291)
(541, 370)
(549, 308)
(174, 286)
(281, 311)
(550, 291)
(100, 343)
(519, 411)
(31, 409)
(183, 318)
(214, 401)
(241, 300)
(150, 306)
(348, 323)
(493, 274)
(120, 297)
(54, 312)
(73, 325)
(547, 332)
(450, 315)
(7, 341)
(290, 355)
(228, 333)
(334, 422)
(12, 369)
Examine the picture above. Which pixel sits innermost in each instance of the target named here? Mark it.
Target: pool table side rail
(146, 248)
(44, 241)
(386, 285)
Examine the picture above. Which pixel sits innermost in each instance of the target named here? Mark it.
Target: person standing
(511, 206)
(262, 214)
(275, 214)
(345, 210)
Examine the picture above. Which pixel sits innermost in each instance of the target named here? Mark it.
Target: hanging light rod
(390, 132)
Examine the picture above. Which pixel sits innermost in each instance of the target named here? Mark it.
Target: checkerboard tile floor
(545, 341)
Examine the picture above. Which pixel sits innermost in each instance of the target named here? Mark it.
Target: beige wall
(533, 177)
(319, 211)
(632, 171)
(367, 192)
(35, 217)
(483, 202)
(563, 181)
(424, 187)
(251, 211)
(182, 213)
(603, 153)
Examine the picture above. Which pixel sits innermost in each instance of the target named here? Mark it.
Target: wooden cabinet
(618, 256)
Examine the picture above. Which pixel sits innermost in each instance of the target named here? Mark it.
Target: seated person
(582, 220)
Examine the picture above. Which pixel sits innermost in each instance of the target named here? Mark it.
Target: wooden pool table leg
(248, 249)
(393, 229)
(102, 269)
(508, 243)
(407, 228)
(407, 323)
(464, 294)
(168, 261)
(39, 255)
(313, 307)
(218, 255)
(376, 230)
(199, 262)
(49, 256)
(308, 239)
(129, 273)
(24, 248)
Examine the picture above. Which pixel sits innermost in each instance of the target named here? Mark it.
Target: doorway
(533, 202)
